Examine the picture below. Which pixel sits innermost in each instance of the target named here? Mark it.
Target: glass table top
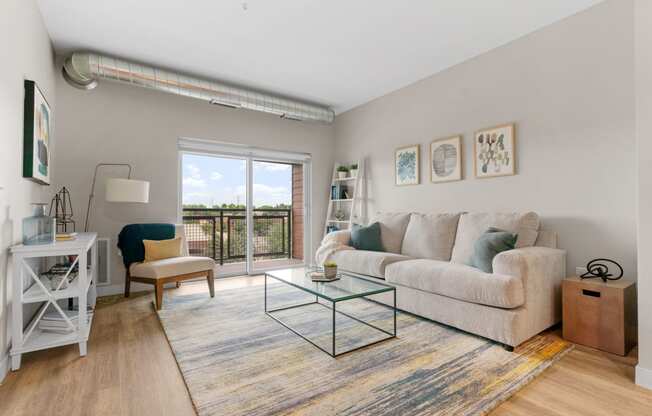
(347, 287)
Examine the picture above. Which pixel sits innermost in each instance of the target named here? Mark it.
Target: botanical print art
(446, 159)
(494, 152)
(407, 165)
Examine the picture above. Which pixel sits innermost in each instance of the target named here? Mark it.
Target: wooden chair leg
(178, 284)
(158, 291)
(127, 285)
(211, 283)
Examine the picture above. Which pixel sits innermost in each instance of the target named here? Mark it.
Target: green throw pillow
(492, 242)
(366, 238)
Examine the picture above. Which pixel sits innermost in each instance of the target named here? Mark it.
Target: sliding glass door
(214, 212)
(277, 215)
(248, 213)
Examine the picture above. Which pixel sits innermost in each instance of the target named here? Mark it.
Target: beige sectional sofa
(426, 259)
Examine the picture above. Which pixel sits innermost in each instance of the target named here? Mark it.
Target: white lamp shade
(127, 190)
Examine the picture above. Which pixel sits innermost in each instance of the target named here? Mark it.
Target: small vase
(39, 228)
(354, 173)
(341, 175)
(330, 272)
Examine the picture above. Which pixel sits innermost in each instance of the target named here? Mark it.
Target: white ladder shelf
(345, 210)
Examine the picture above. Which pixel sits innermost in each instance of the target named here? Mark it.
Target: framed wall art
(446, 159)
(37, 129)
(494, 151)
(406, 165)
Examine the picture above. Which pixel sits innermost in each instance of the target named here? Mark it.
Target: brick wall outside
(297, 212)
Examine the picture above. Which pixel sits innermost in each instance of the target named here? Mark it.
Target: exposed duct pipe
(82, 70)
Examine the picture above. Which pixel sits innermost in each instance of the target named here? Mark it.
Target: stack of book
(318, 276)
(66, 236)
(340, 191)
(53, 321)
(57, 273)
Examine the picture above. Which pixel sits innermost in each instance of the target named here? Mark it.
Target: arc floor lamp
(119, 189)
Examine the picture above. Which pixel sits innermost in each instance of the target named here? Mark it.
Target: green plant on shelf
(342, 169)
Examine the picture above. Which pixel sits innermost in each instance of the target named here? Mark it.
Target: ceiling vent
(83, 70)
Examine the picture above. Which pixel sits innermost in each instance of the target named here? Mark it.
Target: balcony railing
(221, 233)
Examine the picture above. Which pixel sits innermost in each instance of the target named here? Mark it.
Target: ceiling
(339, 53)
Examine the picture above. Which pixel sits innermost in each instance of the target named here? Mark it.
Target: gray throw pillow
(492, 242)
(366, 238)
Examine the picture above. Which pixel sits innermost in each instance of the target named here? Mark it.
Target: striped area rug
(238, 361)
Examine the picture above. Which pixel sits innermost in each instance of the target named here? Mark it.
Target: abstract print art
(446, 159)
(407, 165)
(36, 135)
(494, 152)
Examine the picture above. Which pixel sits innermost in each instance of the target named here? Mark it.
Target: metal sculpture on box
(62, 206)
(599, 268)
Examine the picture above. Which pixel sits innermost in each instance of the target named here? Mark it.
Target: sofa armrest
(549, 263)
(541, 269)
(331, 243)
(342, 237)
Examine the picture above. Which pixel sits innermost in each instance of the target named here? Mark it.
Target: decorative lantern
(62, 206)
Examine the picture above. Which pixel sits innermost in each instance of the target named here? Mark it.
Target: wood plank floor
(130, 370)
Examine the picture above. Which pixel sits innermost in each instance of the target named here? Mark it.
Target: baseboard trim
(4, 368)
(644, 377)
(120, 288)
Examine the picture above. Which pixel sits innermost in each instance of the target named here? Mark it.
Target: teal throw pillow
(492, 242)
(366, 238)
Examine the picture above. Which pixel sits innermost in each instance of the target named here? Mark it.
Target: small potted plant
(354, 170)
(330, 270)
(342, 172)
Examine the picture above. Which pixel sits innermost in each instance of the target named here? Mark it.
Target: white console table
(32, 338)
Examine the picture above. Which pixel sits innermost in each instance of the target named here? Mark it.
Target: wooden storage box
(600, 315)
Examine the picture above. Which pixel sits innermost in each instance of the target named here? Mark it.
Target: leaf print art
(494, 151)
(407, 165)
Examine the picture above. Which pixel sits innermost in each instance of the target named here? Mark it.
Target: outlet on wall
(580, 271)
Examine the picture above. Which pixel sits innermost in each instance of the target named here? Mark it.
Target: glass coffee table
(347, 288)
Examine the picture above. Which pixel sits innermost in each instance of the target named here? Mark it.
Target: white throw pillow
(430, 236)
(473, 225)
(392, 229)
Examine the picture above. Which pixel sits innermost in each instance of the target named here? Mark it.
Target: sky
(211, 180)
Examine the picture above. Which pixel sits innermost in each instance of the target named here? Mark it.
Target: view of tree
(271, 229)
(214, 194)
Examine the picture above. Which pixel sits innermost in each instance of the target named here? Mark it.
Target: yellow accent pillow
(162, 249)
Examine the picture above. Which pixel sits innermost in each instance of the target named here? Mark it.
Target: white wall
(570, 90)
(119, 123)
(643, 42)
(25, 53)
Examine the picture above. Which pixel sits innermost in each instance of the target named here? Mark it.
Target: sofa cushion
(430, 236)
(175, 266)
(366, 238)
(473, 225)
(371, 263)
(392, 229)
(458, 281)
